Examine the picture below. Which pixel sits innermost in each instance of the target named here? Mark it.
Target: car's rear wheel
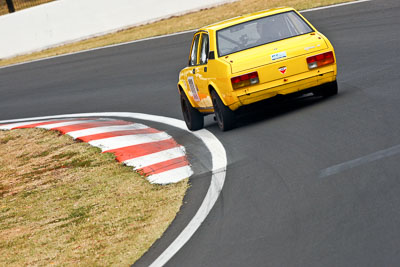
(327, 90)
(225, 117)
(193, 118)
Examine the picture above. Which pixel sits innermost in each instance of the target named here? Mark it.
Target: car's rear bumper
(286, 87)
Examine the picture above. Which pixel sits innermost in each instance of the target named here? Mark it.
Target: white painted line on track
(219, 164)
(150, 159)
(335, 5)
(360, 161)
(163, 36)
(127, 140)
(106, 129)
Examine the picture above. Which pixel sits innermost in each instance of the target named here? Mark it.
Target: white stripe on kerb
(107, 129)
(150, 159)
(171, 176)
(128, 140)
(62, 124)
(13, 125)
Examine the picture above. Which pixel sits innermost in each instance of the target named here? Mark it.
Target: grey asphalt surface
(276, 208)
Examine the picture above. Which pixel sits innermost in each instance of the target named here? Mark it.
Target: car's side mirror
(211, 55)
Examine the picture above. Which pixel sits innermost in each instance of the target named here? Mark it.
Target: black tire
(327, 90)
(225, 117)
(193, 118)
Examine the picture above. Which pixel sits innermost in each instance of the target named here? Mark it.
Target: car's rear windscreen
(260, 31)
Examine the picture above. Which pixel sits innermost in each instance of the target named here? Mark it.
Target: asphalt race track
(311, 182)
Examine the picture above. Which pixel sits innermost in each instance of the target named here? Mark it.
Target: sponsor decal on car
(193, 89)
(279, 55)
(282, 70)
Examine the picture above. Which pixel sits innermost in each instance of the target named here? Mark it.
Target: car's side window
(204, 49)
(193, 53)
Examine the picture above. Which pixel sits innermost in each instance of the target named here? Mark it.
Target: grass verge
(64, 203)
(175, 24)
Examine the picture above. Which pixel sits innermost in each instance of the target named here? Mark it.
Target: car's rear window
(260, 31)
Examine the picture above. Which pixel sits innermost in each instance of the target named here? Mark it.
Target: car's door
(201, 72)
(190, 71)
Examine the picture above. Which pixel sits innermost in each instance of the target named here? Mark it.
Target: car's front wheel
(225, 117)
(193, 118)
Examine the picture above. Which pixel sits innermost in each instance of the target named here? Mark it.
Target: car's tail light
(245, 80)
(320, 60)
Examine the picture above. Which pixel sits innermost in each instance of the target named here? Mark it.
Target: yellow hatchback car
(251, 58)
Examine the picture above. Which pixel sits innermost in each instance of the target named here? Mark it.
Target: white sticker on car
(193, 89)
(279, 55)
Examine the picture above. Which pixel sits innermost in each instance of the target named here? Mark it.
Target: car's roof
(244, 18)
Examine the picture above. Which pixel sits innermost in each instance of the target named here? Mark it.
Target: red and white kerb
(150, 151)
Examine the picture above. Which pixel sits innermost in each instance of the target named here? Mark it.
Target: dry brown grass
(64, 203)
(20, 4)
(175, 24)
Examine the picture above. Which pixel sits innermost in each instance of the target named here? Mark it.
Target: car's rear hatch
(271, 61)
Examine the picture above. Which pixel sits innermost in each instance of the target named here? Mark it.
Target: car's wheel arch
(183, 91)
(213, 87)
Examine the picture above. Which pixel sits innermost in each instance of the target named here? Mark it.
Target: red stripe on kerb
(33, 125)
(165, 166)
(135, 151)
(92, 137)
(87, 125)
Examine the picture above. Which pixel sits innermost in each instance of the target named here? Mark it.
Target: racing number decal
(193, 89)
